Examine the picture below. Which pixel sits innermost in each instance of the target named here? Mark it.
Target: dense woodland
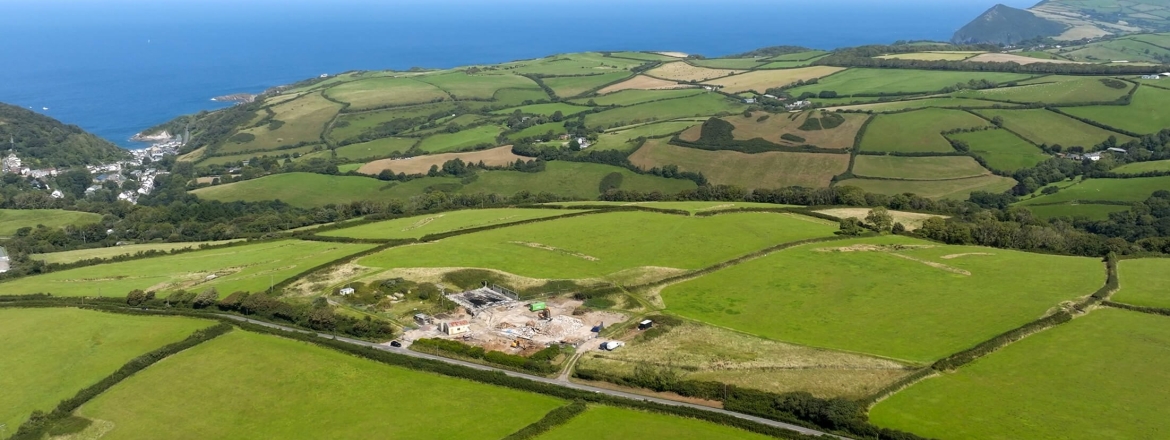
(42, 141)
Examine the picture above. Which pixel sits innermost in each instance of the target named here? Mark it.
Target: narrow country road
(557, 382)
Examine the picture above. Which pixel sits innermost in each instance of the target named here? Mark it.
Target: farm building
(453, 328)
(645, 324)
(1151, 76)
(346, 291)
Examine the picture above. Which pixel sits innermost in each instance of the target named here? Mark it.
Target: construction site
(495, 319)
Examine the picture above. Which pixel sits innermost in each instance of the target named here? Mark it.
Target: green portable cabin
(537, 306)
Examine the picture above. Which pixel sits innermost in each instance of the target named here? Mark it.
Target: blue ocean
(115, 67)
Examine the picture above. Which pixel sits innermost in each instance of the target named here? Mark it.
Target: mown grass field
(692, 207)
(623, 139)
(1057, 92)
(539, 130)
(875, 81)
(1099, 376)
(1002, 149)
(608, 423)
(772, 169)
(730, 63)
(108, 252)
(298, 189)
(1121, 190)
(303, 119)
(1144, 282)
(633, 96)
(519, 96)
(379, 92)
(1093, 212)
(918, 131)
(917, 168)
(586, 63)
(51, 354)
(13, 219)
(417, 227)
(314, 393)
(478, 86)
(247, 267)
(919, 103)
(443, 142)
(1046, 127)
(1143, 167)
(570, 86)
(603, 244)
(547, 109)
(956, 189)
(909, 304)
(699, 105)
(703, 352)
(761, 80)
(1145, 115)
(375, 149)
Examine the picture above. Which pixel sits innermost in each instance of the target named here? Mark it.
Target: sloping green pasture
(1002, 149)
(608, 423)
(51, 354)
(955, 189)
(570, 86)
(444, 142)
(634, 96)
(1092, 211)
(917, 168)
(1046, 127)
(13, 219)
(917, 305)
(477, 86)
(1097, 377)
(1144, 282)
(603, 244)
(380, 92)
(1057, 92)
(1123, 190)
(107, 252)
(895, 81)
(917, 131)
(1143, 167)
(1145, 115)
(705, 104)
(419, 226)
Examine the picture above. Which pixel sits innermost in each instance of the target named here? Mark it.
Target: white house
(1093, 156)
(452, 328)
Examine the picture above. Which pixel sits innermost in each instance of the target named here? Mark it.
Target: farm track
(560, 381)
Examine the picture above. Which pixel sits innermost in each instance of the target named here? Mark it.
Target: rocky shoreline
(236, 97)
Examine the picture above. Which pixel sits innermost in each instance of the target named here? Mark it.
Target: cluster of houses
(1157, 76)
(791, 106)
(104, 172)
(1094, 156)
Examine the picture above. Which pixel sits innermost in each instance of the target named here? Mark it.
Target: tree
(574, 145)
(898, 228)
(558, 116)
(135, 297)
(880, 219)
(206, 299)
(850, 227)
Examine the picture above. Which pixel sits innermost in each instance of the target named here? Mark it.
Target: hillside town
(137, 168)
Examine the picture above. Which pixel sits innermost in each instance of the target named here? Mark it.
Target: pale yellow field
(1007, 57)
(777, 125)
(932, 56)
(641, 82)
(911, 220)
(380, 92)
(680, 71)
(421, 164)
(761, 80)
(304, 120)
(761, 170)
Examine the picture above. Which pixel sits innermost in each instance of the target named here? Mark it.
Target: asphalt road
(559, 381)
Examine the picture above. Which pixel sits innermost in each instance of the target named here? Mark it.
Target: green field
(705, 104)
(631, 97)
(915, 103)
(917, 131)
(587, 63)
(919, 307)
(623, 139)
(301, 120)
(917, 168)
(607, 423)
(771, 169)
(1145, 115)
(692, 207)
(1143, 167)
(51, 354)
(546, 109)
(445, 142)
(1144, 282)
(644, 56)
(419, 226)
(512, 97)
(1057, 92)
(800, 56)
(108, 252)
(931, 56)
(380, 92)
(231, 158)
(603, 244)
(875, 81)
(353, 124)
(1046, 127)
(730, 63)
(13, 219)
(1002, 149)
(375, 149)
(249, 268)
(1098, 377)
(570, 86)
(957, 189)
(1119, 190)
(480, 86)
(246, 385)
(1093, 212)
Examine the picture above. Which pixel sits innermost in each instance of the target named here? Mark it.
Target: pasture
(375, 149)
(249, 268)
(730, 63)
(800, 56)
(1046, 127)
(1072, 210)
(1098, 377)
(918, 131)
(314, 392)
(500, 156)
(419, 226)
(1002, 149)
(298, 189)
(300, 120)
(898, 81)
(571, 86)
(109, 252)
(1144, 282)
(643, 56)
(773, 169)
(42, 367)
(586, 63)
(705, 104)
(761, 80)
(633, 96)
(546, 109)
(511, 97)
(444, 142)
(917, 168)
(955, 189)
(681, 71)
(1143, 167)
(624, 139)
(462, 85)
(1018, 59)
(1119, 190)
(540, 130)
(1057, 92)
(893, 106)
(384, 92)
(600, 245)
(608, 423)
(708, 353)
(889, 296)
(288, 152)
(1145, 115)
(931, 56)
(14, 219)
(692, 207)
(640, 82)
(350, 125)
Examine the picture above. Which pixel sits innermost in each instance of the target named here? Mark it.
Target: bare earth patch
(642, 82)
(498, 156)
(674, 54)
(952, 256)
(911, 220)
(933, 264)
(319, 282)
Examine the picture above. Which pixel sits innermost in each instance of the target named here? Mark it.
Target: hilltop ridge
(45, 141)
(1066, 20)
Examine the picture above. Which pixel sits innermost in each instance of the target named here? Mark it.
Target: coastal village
(137, 167)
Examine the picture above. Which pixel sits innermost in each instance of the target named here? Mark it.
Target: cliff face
(1007, 25)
